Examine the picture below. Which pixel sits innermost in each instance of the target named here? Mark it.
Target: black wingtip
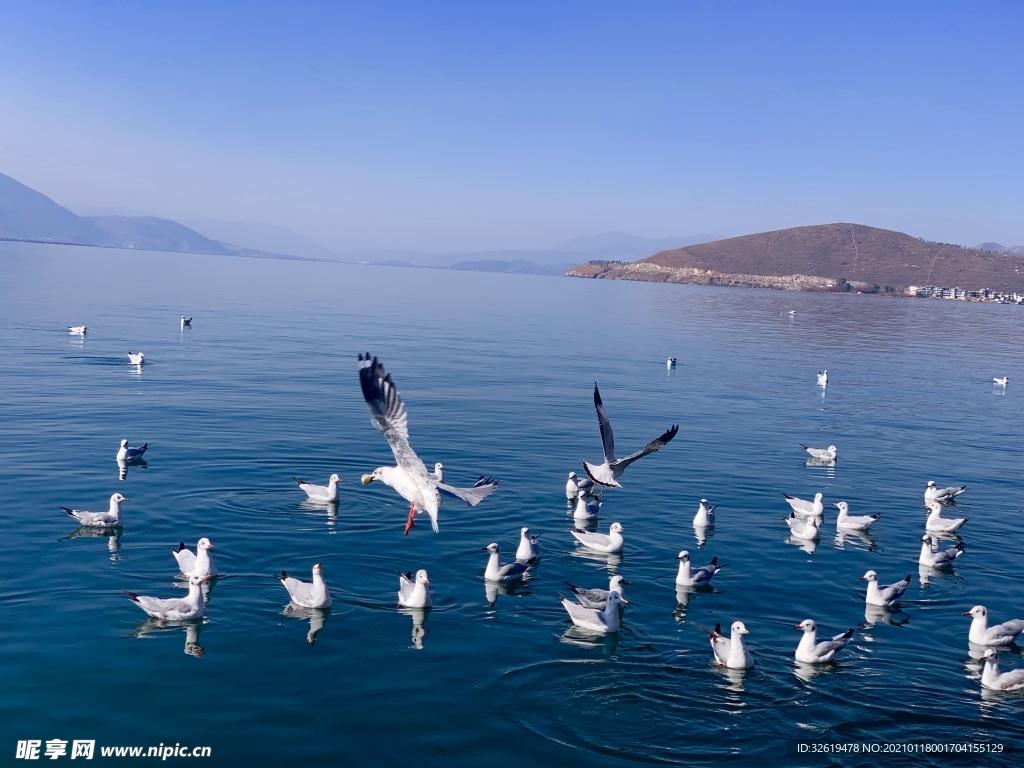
(909, 577)
(786, 495)
(714, 561)
(283, 576)
(297, 481)
(69, 511)
(571, 587)
(131, 596)
(802, 446)
(849, 632)
(718, 627)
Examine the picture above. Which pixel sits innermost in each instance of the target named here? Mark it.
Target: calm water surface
(497, 372)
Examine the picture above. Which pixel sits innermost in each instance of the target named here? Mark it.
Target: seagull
(806, 508)
(109, 519)
(598, 598)
(576, 484)
(439, 472)
(496, 571)
(592, 619)
(848, 522)
(696, 577)
(810, 651)
(306, 595)
(803, 527)
(939, 524)
(327, 492)
(705, 516)
(77, 330)
(599, 542)
(609, 472)
(1001, 382)
(992, 678)
(671, 362)
(409, 478)
(932, 493)
(529, 547)
(186, 323)
(136, 358)
(586, 510)
(124, 453)
(174, 608)
(414, 593)
(821, 454)
(823, 378)
(730, 652)
(195, 564)
(886, 595)
(933, 558)
(998, 634)
(792, 311)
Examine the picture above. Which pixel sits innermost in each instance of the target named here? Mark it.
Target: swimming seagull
(823, 378)
(186, 323)
(586, 510)
(529, 547)
(671, 362)
(810, 651)
(821, 454)
(136, 358)
(593, 620)
(599, 542)
(174, 608)
(109, 519)
(327, 492)
(848, 522)
(305, 594)
(696, 577)
(576, 484)
(705, 516)
(124, 453)
(598, 598)
(439, 472)
(935, 558)
(939, 524)
(885, 595)
(933, 493)
(1000, 382)
(998, 634)
(198, 563)
(806, 508)
(496, 571)
(803, 527)
(409, 478)
(414, 593)
(609, 472)
(992, 678)
(77, 330)
(729, 652)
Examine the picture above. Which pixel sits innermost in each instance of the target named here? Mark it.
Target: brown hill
(818, 256)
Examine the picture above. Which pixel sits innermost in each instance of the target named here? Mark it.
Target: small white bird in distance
(1000, 381)
(823, 378)
(305, 594)
(942, 495)
(136, 358)
(730, 652)
(810, 651)
(822, 454)
(77, 330)
(886, 595)
(934, 558)
(109, 519)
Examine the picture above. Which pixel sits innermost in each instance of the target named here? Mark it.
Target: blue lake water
(497, 373)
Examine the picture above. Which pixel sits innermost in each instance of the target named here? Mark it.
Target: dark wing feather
(606, 427)
(651, 447)
(472, 496)
(387, 411)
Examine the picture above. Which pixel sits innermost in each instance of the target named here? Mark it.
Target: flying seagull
(609, 472)
(409, 477)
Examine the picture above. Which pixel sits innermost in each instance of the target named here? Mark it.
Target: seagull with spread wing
(409, 477)
(609, 472)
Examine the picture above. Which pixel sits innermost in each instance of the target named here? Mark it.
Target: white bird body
(935, 558)
(609, 543)
(1000, 381)
(810, 651)
(593, 620)
(822, 454)
(688, 576)
(327, 492)
(439, 472)
(598, 598)
(586, 509)
(124, 453)
(885, 595)
(996, 635)
(730, 651)
(77, 330)
(806, 508)
(198, 563)
(575, 484)
(409, 477)
(992, 678)
(803, 527)
(823, 378)
(942, 495)
(109, 519)
(608, 473)
(186, 323)
(305, 594)
(497, 571)
(136, 358)
(414, 593)
(937, 523)
(175, 608)
(529, 546)
(705, 516)
(846, 521)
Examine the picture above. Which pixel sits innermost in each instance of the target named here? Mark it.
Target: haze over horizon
(469, 128)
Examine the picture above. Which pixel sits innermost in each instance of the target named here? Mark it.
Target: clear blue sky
(474, 125)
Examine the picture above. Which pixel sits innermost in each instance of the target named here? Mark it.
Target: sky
(461, 126)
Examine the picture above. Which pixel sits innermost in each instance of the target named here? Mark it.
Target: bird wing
(651, 447)
(579, 613)
(387, 411)
(186, 560)
(297, 590)
(512, 570)
(472, 496)
(606, 428)
(405, 586)
(589, 537)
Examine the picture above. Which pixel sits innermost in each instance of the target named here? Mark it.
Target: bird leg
(409, 523)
